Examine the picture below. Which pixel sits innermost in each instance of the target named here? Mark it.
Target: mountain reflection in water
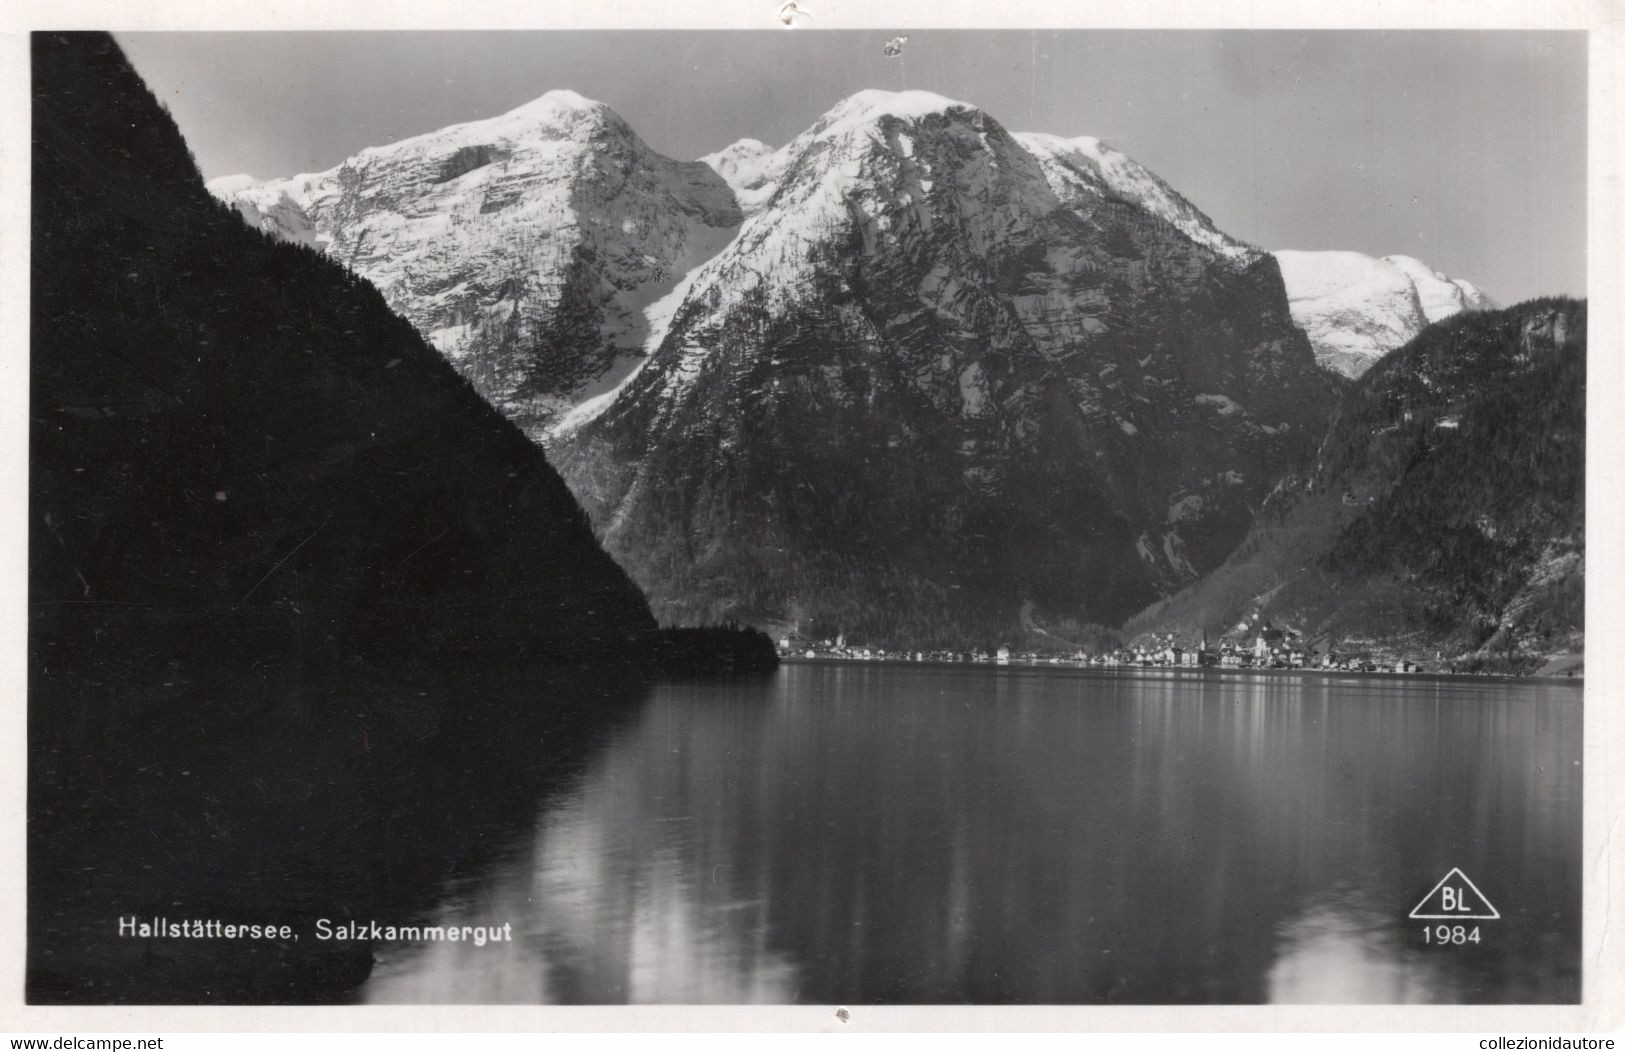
(349, 794)
(919, 834)
(1342, 953)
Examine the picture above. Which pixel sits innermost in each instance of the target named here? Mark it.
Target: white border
(1603, 944)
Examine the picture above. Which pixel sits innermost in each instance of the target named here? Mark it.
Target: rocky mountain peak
(561, 103)
(1084, 166)
(876, 134)
(556, 116)
(873, 105)
(925, 337)
(561, 115)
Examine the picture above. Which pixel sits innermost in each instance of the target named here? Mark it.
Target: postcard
(789, 510)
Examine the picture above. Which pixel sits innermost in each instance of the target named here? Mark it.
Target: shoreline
(1072, 666)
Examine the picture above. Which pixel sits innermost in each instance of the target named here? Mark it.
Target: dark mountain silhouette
(1445, 514)
(235, 438)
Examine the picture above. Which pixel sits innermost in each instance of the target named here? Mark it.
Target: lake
(866, 833)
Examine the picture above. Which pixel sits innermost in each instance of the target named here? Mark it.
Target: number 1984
(1449, 935)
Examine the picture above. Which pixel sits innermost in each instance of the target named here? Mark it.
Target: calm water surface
(863, 833)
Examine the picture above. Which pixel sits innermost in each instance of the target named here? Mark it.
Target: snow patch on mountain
(657, 314)
(751, 168)
(862, 109)
(1440, 296)
(1087, 166)
(1357, 308)
(277, 208)
(1224, 405)
(224, 185)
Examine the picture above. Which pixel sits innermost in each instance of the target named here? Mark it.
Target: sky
(1466, 149)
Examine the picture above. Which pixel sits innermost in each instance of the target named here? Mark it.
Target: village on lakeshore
(1253, 645)
(1262, 653)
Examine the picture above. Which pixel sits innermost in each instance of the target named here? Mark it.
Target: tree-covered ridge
(1445, 513)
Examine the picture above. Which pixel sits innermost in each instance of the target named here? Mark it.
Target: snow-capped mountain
(531, 249)
(1357, 308)
(944, 373)
(1079, 166)
(751, 168)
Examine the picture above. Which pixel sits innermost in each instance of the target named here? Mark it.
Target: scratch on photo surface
(282, 560)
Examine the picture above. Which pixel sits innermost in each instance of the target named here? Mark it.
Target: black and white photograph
(807, 515)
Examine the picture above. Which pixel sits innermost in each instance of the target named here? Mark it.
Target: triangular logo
(1455, 898)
